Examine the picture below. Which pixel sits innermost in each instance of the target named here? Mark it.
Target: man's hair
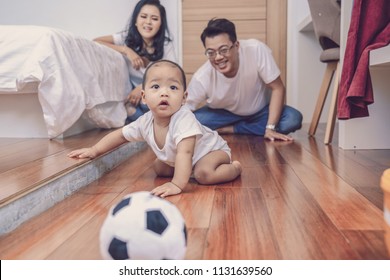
(217, 26)
(183, 75)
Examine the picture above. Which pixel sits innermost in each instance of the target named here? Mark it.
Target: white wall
(87, 18)
(304, 69)
(372, 132)
(93, 18)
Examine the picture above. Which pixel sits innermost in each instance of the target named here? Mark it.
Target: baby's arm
(107, 143)
(183, 162)
(183, 169)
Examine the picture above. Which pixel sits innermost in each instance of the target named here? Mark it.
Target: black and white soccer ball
(143, 227)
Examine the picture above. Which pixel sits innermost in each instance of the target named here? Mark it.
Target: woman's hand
(136, 61)
(166, 190)
(135, 96)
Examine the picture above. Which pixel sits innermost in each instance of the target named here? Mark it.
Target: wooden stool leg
(333, 108)
(330, 68)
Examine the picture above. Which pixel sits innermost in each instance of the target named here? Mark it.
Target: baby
(180, 142)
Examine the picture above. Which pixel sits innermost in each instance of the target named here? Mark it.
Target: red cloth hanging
(369, 30)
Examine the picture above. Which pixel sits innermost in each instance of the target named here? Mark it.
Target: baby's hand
(83, 153)
(166, 190)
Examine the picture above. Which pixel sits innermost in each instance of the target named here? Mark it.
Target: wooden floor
(26, 164)
(298, 200)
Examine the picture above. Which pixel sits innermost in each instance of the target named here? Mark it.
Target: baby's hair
(183, 75)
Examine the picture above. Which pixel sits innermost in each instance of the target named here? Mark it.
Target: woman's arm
(136, 61)
(109, 42)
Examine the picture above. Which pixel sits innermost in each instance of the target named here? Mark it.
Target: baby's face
(164, 91)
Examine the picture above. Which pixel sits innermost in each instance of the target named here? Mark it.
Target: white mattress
(71, 75)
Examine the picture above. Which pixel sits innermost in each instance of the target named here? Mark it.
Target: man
(235, 84)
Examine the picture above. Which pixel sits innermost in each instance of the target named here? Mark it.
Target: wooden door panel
(205, 9)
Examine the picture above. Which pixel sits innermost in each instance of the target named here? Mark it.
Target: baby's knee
(202, 175)
(162, 169)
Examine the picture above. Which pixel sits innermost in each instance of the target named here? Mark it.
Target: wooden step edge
(37, 185)
(31, 173)
(23, 206)
(33, 187)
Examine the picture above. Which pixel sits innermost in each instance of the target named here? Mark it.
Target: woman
(147, 39)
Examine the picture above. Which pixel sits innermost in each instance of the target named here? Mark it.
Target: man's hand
(273, 135)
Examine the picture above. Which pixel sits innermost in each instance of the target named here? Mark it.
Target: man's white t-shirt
(244, 94)
(136, 76)
(183, 124)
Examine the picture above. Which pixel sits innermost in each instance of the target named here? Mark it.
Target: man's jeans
(290, 120)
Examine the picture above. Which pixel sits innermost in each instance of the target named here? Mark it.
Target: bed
(55, 84)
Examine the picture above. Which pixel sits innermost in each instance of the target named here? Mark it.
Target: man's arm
(275, 109)
(196, 94)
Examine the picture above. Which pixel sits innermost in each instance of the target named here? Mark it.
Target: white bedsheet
(71, 75)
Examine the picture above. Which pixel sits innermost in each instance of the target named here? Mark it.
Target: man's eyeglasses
(224, 50)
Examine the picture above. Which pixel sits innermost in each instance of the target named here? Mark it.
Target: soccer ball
(143, 226)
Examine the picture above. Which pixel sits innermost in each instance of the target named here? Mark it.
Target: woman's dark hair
(134, 39)
(219, 26)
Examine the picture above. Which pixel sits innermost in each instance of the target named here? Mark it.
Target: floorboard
(297, 200)
(25, 165)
